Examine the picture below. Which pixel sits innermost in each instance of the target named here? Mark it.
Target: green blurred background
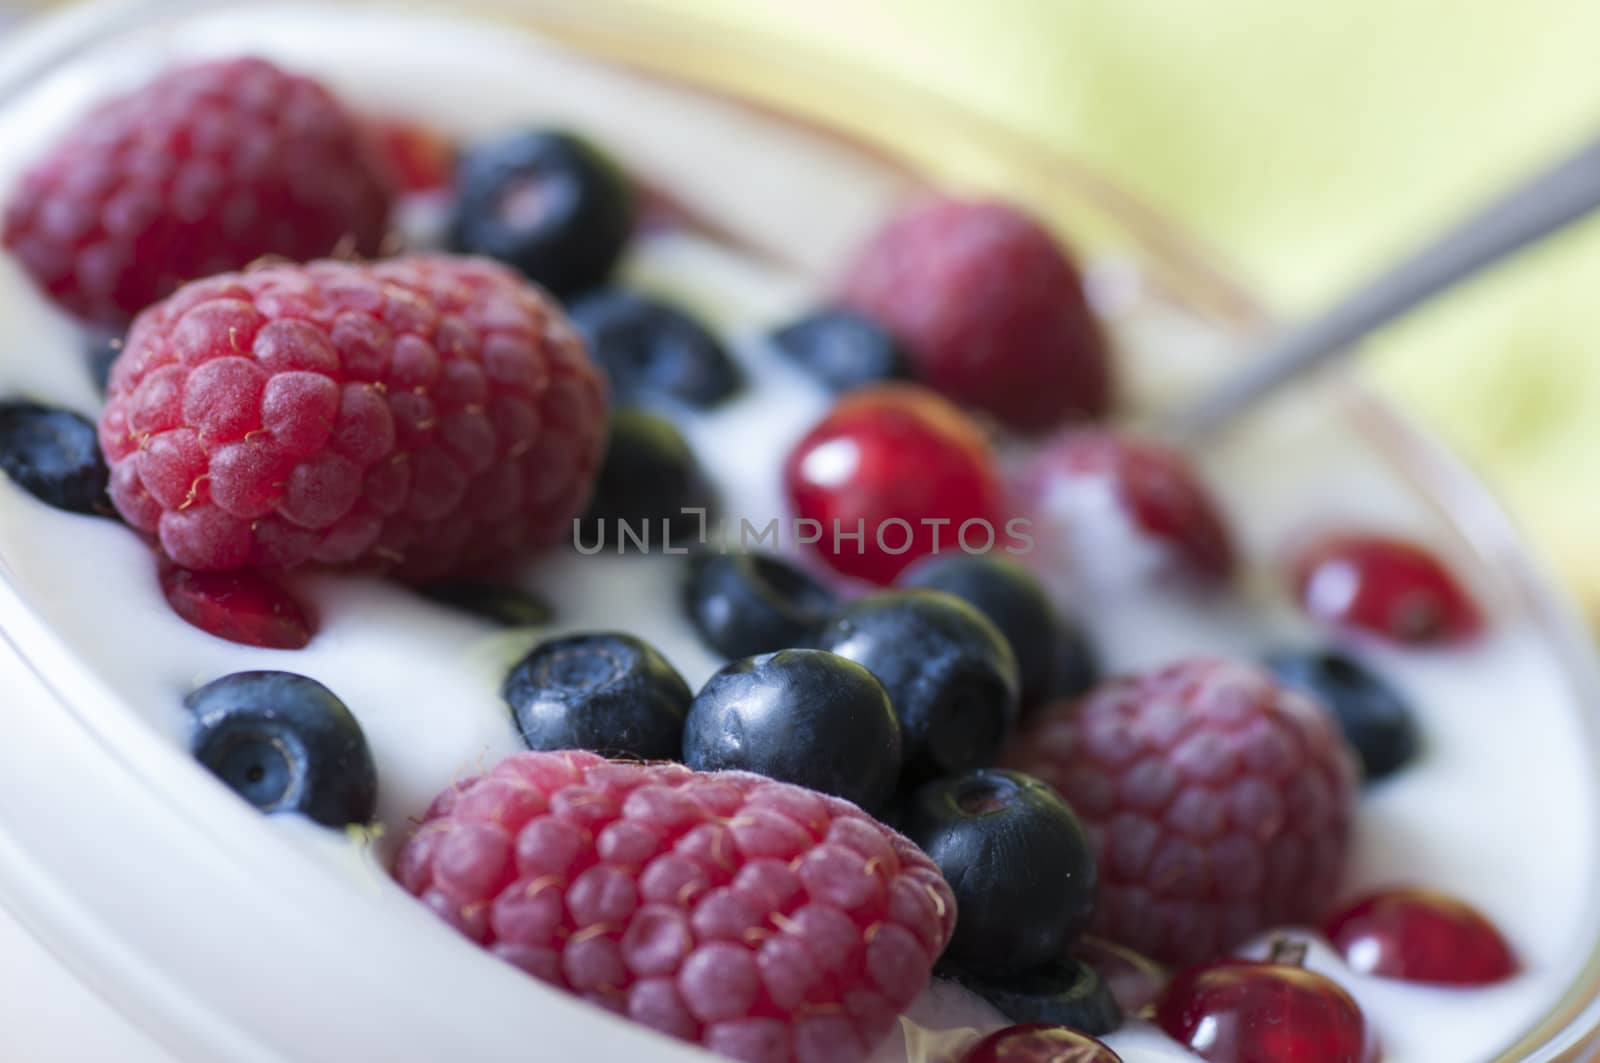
(1307, 141)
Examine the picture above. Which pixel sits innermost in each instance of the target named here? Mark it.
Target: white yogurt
(1500, 810)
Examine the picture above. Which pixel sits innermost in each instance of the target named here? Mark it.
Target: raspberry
(423, 414)
(206, 169)
(990, 309)
(1218, 802)
(1094, 486)
(763, 920)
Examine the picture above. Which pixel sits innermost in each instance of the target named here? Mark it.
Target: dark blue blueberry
(649, 475)
(654, 351)
(745, 604)
(1077, 665)
(546, 202)
(102, 352)
(495, 602)
(608, 693)
(949, 673)
(285, 744)
(843, 349)
(1063, 993)
(1375, 719)
(802, 716)
(1018, 861)
(54, 455)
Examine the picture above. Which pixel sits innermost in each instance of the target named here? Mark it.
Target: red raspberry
(422, 414)
(205, 169)
(990, 309)
(1073, 484)
(766, 921)
(1218, 802)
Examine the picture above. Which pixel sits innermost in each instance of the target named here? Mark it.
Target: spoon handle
(1547, 202)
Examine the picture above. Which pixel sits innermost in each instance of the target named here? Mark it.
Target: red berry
(990, 309)
(420, 159)
(243, 607)
(1134, 980)
(1039, 1043)
(1420, 935)
(1387, 586)
(1088, 489)
(422, 414)
(207, 168)
(906, 470)
(1243, 1011)
(763, 920)
(1219, 803)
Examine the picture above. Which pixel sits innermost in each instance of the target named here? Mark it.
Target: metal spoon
(1548, 202)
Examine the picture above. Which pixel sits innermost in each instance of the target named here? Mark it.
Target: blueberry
(1019, 862)
(1076, 667)
(745, 604)
(949, 673)
(1376, 720)
(843, 349)
(802, 716)
(547, 203)
(98, 359)
(285, 744)
(649, 475)
(608, 693)
(54, 455)
(1015, 602)
(653, 350)
(497, 603)
(1063, 993)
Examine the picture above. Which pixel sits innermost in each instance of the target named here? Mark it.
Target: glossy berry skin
(1134, 981)
(799, 716)
(654, 351)
(1375, 719)
(1015, 602)
(990, 309)
(54, 456)
(1219, 802)
(1039, 1043)
(547, 203)
(603, 692)
(742, 604)
(761, 920)
(426, 415)
(1384, 586)
(905, 469)
(206, 169)
(286, 744)
(648, 478)
(843, 349)
(497, 603)
(1420, 935)
(1088, 488)
(243, 606)
(1063, 992)
(1243, 1011)
(1019, 861)
(949, 673)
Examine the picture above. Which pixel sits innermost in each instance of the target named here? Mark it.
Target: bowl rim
(867, 109)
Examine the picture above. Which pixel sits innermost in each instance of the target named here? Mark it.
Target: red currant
(1420, 935)
(1387, 586)
(893, 474)
(1039, 1043)
(1134, 979)
(420, 159)
(241, 606)
(1245, 1011)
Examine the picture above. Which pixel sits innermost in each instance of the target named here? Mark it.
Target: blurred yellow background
(1307, 141)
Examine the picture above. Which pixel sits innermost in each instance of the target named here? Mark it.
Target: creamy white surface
(1500, 810)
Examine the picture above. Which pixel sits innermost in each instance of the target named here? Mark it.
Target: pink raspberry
(423, 414)
(765, 921)
(206, 169)
(990, 310)
(1218, 802)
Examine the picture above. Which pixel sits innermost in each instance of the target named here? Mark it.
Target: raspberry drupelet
(205, 169)
(767, 922)
(422, 415)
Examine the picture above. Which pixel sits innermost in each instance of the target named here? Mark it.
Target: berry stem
(1287, 952)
